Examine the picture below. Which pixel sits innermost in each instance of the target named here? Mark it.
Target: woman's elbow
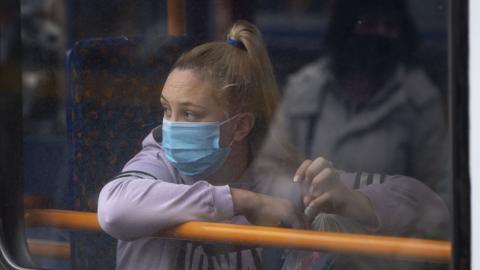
(114, 219)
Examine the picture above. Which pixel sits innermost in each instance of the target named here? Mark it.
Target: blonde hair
(241, 75)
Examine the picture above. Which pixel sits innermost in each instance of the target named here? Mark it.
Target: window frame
(459, 126)
(13, 249)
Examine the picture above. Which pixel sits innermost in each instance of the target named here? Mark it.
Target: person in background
(200, 165)
(366, 105)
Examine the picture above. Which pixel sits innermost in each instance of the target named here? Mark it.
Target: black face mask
(370, 54)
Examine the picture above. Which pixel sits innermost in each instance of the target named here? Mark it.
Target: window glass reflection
(353, 139)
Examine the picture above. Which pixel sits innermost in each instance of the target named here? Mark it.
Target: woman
(219, 99)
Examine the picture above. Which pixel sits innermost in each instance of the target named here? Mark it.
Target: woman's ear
(243, 126)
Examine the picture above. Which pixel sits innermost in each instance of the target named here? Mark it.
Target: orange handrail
(74, 220)
(402, 248)
(49, 248)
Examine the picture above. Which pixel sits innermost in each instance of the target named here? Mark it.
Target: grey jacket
(150, 195)
(401, 130)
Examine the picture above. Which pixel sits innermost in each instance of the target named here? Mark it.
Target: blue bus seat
(112, 102)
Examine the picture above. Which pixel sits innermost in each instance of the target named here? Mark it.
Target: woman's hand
(325, 192)
(266, 210)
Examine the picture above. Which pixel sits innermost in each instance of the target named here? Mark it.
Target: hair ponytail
(252, 40)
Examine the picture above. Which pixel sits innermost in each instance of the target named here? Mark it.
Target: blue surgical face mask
(194, 147)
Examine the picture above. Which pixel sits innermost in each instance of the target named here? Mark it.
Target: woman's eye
(166, 111)
(189, 115)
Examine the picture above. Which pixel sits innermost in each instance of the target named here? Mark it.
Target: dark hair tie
(235, 43)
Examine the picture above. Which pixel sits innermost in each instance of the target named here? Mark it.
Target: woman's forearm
(133, 208)
(244, 201)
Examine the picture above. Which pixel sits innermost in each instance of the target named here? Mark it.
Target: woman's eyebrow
(185, 103)
(189, 104)
(163, 99)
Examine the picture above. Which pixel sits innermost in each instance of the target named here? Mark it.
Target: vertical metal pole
(176, 17)
(223, 18)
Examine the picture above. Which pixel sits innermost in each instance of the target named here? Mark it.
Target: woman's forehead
(184, 85)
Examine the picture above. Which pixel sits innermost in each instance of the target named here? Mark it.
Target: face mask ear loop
(231, 143)
(231, 118)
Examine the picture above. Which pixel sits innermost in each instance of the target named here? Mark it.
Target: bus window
(328, 116)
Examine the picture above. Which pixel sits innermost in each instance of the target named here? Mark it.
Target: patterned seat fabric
(112, 103)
